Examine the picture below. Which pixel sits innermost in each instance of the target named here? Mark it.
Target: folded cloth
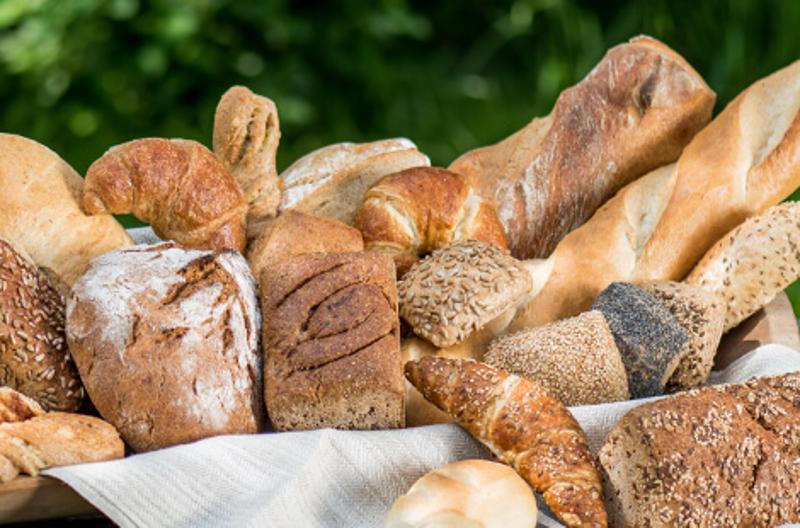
(317, 478)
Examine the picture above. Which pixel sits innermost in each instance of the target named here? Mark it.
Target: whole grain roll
(576, 359)
(166, 341)
(33, 350)
(648, 336)
(701, 313)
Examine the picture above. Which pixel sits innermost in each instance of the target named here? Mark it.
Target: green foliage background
(83, 75)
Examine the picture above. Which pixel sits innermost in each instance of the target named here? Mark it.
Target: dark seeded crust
(332, 343)
(716, 456)
(33, 350)
(649, 338)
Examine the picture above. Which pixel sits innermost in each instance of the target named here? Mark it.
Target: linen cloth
(322, 478)
(318, 478)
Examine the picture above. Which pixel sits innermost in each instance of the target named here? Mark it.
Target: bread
(524, 426)
(296, 233)
(634, 112)
(413, 212)
(246, 136)
(701, 313)
(332, 181)
(33, 350)
(160, 324)
(55, 439)
(466, 493)
(177, 186)
(716, 456)
(659, 226)
(16, 407)
(419, 411)
(651, 341)
(40, 210)
(753, 263)
(331, 342)
(458, 289)
(575, 359)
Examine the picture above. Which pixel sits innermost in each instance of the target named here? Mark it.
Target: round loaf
(33, 351)
(166, 341)
(413, 212)
(466, 494)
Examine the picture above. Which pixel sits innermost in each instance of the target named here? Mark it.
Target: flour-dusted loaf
(468, 493)
(753, 263)
(652, 342)
(332, 343)
(724, 456)
(576, 359)
(33, 348)
(166, 342)
(701, 313)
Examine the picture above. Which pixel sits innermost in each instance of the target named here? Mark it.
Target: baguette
(659, 226)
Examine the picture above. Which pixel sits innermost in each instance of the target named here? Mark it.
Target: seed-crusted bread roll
(753, 263)
(166, 342)
(575, 359)
(416, 211)
(650, 339)
(33, 349)
(468, 493)
(297, 233)
(722, 456)
(332, 342)
(457, 290)
(701, 313)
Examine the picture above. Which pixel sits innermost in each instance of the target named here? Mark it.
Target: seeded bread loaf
(650, 339)
(701, 313)
(166, 342)
(723, 456)
(575, 359)
(332, 343)
(33, 349)
(753, 263)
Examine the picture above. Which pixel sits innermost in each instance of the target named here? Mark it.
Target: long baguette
(659, 226)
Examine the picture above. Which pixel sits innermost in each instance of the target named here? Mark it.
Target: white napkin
(319, 478)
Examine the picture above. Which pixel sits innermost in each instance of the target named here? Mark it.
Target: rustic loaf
(468, 493)
(332, 343)
(633, 112)
(717, 456)
(33, 349)
(753, 263)
(40, 210)
(416, 211)
(659, 226)
(166, 342)
(177, 186)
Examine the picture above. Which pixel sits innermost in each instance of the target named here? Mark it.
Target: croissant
(246, 136)
(523, 426)
(177, 186)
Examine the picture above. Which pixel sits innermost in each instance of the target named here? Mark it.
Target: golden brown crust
(16, 407)
(415, 211)
(331, 341)
(177, 186)
(33, 349)
(296, 233)
(246, 136)
(635, 111)
(523, 426)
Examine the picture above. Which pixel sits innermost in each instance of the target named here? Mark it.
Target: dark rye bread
(717, 456)
(332, 343)
(649, 338)
(33, 349)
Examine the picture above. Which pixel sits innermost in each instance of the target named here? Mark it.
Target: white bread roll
(466, 494)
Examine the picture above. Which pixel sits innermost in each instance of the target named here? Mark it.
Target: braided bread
(413, 212)
(177, 186)
(523, 426)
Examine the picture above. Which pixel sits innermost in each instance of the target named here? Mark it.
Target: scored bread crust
(635, 111)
